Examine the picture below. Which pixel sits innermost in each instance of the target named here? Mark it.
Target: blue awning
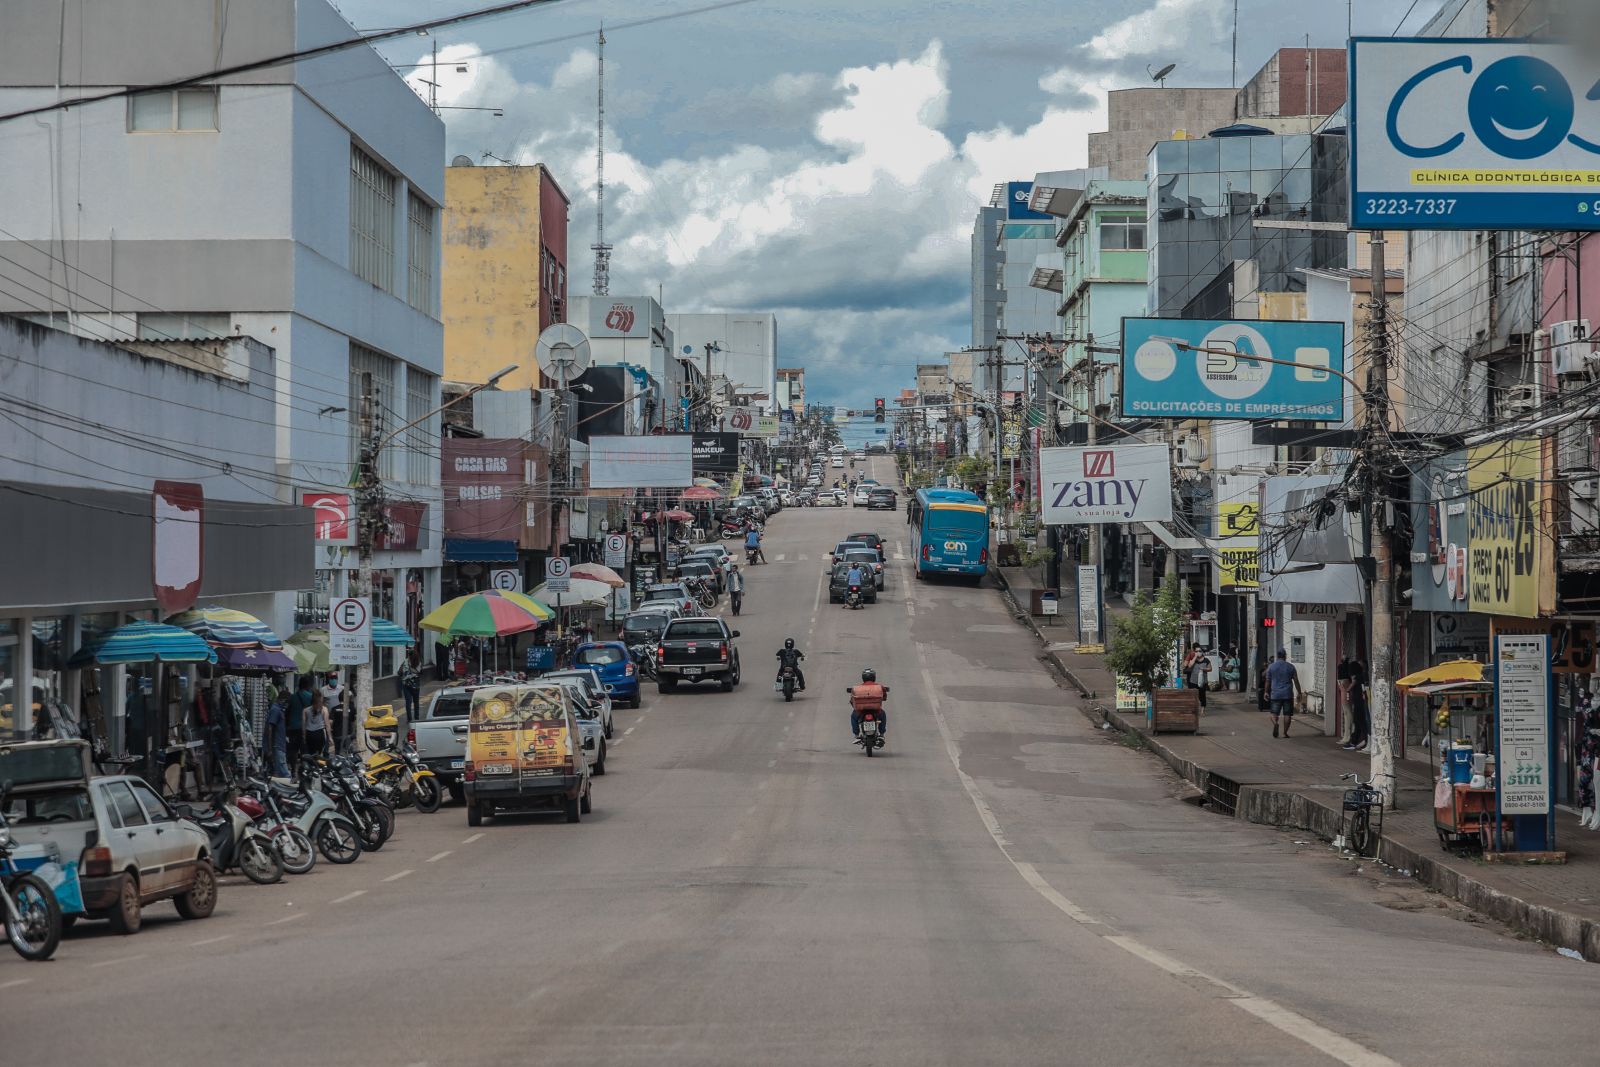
(467, 550)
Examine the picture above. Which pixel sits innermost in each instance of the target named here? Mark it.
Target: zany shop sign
(1506, 550)
(1115, 483)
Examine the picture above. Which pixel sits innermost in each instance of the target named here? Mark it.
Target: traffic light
(877, 410)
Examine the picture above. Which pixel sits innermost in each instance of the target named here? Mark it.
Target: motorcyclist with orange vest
(868, 696)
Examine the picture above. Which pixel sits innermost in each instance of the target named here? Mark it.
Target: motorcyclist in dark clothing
(789, 656)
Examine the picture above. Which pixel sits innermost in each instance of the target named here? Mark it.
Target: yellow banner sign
(1239, 554)
(517, 729)
(1506, 553)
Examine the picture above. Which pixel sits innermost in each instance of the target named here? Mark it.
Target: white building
(745, 350)
(297, 205)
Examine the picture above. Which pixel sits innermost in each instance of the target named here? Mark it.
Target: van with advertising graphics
(524, 753)
(949, 533)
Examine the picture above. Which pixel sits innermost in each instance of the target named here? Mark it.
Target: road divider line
(351, 896)
(471, 839)
(629, 730)
(772, 763)
(1287, 1021)
(13, 983)
(437, 856)
(286, 919)
(209, 940)
(119, 959)
(397, 875)
(778, 558)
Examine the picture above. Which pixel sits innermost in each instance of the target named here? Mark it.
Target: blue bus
(949, 532)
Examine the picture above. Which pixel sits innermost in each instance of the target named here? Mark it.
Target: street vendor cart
(1460, 697)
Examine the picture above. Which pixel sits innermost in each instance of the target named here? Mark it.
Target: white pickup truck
(440, 735)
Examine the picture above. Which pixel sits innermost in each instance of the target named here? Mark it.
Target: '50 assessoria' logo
(1519, 107)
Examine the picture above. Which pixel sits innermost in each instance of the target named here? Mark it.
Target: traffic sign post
(557, 571)
(616, 550)
(506, 579)
(350, 631)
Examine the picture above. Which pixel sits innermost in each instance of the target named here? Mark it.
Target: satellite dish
(462, 161)
(1161, 75)
(563, 352)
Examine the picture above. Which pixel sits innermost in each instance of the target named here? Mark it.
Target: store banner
(484, 490)
(654, 462)
(1507, 555)
(1439, 555)
(716, 453)
(1107, 483)
(1239, 546)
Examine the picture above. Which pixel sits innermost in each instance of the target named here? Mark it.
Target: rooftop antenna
(1161, 75)
(601, 250)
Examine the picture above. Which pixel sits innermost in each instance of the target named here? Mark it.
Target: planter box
(1175, 711)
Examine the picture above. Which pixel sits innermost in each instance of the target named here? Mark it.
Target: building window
(422, 449)
(363, 361)
(173, 111)
(371, 220)
(183, 325)
(420, 251)
(1122, 235)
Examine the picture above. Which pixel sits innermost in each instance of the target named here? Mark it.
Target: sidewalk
(1243, 771)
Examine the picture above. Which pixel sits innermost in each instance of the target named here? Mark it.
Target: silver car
(591, 723)
(594, 691)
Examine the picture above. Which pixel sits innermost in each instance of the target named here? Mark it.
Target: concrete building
(986, 286)
(504, 269)
(633, 332)
(1307, 84)
(296, 204)
(792, 389)
(1138, 118)
(745, 353)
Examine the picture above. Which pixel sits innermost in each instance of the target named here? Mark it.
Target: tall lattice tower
(601, 250)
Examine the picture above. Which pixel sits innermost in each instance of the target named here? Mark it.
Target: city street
(1004, 885)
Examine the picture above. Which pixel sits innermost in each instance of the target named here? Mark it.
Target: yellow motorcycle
(394, 769)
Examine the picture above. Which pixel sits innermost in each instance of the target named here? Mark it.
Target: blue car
(612, 662)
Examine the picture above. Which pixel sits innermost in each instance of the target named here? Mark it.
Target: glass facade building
(1205, 197)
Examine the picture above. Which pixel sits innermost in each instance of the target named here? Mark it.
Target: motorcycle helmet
(869, 675)
(788, 642)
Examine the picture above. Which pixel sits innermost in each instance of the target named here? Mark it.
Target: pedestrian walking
(334, 705)
(275, 738)
(1195, 669)
(300, 702)
(411, 686)
(1352, 677)
(1283, 691)
(736, 588)
(316, 722)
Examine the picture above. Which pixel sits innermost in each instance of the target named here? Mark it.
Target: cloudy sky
(824, 159)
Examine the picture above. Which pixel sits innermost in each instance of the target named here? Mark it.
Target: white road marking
(286, 919)
(803, 558)
(119, 959)
(779, 557)
(629, 730)
(639, 720)
(471, 839)
(1292, 1023)
(211, 940)
(772, 763)
(397, 875)
(14, 983)
(785, 729)
(437, 856)
(351, 896)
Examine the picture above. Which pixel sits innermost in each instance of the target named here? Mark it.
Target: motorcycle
(786, 682)
(395, 770)
(32, 913)
(871, 737)
(294, 847)
(644, 656)
(853, 599)
(315, 815)
(704, 594)
(731, 529)
(237, 843)
(339, 779)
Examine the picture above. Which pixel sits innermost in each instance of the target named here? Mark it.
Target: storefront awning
(467, 550)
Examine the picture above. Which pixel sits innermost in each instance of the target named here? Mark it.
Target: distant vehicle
(594, 687)
(860, 499)
(838, 462)
(697, 650)
(675, 593)
(716, 551)
(949, 533)
(440, 735)
(871, 540)
(618, 673)
(881, 499)
(844, 546)
(701, 567)
(645, 627)
(586, 708)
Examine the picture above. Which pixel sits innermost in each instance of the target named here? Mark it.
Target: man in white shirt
(338, 715)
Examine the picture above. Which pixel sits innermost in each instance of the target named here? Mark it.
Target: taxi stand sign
(350, 631)
(1476, 134)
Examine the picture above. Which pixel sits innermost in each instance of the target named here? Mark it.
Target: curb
(1295, 810)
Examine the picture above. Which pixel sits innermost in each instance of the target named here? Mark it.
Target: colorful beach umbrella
(710, 483)
(227, 628)
(491, 613)
(677, 515)
(386, 634)
(597, 572)
(144, 642)
(701, 492)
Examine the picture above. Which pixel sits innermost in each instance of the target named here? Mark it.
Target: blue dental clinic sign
(1473, 134)
(1201, 369)
(1017, 210)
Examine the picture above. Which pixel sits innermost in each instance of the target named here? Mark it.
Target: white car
(591, 724)
(838, 463)
(859, 500)
(718, 553)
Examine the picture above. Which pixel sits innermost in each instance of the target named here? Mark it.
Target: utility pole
(1381, 699)
(369, 501)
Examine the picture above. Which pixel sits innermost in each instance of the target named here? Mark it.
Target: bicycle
(1364, 806)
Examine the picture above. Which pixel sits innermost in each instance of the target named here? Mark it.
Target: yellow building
(504, 275)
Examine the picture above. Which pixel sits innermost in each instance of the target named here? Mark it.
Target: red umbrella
(701, 492)
(677, 515)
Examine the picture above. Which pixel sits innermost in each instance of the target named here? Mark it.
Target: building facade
(744, 351)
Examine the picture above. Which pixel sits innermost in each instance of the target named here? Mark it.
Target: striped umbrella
(144, 642)
(228, 628)
(386, 634)
(491, 613)
(596, 572)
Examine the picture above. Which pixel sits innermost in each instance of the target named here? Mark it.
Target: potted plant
(1142, 642)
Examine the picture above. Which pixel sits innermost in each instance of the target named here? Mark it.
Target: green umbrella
(309, 650)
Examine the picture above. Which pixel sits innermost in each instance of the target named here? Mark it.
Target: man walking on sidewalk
(1283, 690)
(1353, 684)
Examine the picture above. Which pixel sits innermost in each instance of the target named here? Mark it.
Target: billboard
(1107, 483)
(1199, 369)
(1476, 134)
(485, 487)
(1017, 209)
(619, 316)
(1507, 553)
(659, 462)
(1239, 545)
(716, 453)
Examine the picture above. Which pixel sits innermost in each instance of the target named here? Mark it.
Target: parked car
(871, 540)
(674, 594)
(523, 752)
(644, 627)
(594, 689)
(440, 736)
(132, 849)
(844, 546)
(860, 497)
(717, 552)
(591, 723)
(839, 585)
(697, 650)
(881, 499)
(868, 558)
(614, 663)
(700, 567)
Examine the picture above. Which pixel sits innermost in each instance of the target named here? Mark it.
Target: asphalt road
(1004, 885)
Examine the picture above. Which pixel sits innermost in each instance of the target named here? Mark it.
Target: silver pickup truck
(440, 735)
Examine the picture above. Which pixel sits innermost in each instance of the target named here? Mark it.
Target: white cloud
(859, 239)
(1171, 26)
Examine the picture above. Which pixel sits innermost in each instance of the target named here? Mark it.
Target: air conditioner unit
(1520, 400)
(1583, 501)
(1189, 451)
(1573, 353)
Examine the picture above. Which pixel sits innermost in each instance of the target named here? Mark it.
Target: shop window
(1122, 235)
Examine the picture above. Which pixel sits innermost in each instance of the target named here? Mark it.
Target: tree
(1141, 644)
